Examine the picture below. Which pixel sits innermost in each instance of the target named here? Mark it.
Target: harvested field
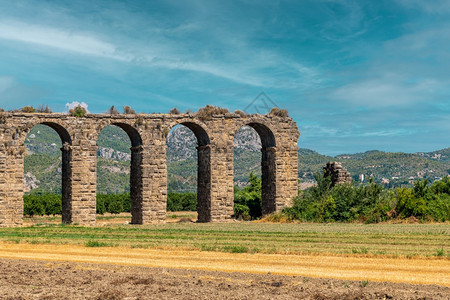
(242, 260)
(24, 279)
(417, 271)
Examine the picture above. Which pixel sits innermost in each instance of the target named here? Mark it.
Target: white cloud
(74, 104)
(81, 43)
(388, 90)
(244, 65)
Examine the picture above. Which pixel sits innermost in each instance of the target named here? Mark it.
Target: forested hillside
(43, 161)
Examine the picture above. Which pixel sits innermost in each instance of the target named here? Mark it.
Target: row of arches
(203, 148)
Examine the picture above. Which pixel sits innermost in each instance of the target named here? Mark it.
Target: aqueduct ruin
(148, 174)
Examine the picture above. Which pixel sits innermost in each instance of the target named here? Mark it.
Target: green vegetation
(50, 204)
(182, 201)
(248, 199)
(322, 203)
(28, 109)
(78, 111)
(404, 240)
(96, 244)
(371, 203)
(39, 205)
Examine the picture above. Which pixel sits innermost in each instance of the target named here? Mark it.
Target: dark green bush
(115, 206)
(250, 196)
(241, 212)
(113, 203)
(371, 203)
(182, 201)
(42, 204)
(438, 208)
(33, 206)
(52, 204)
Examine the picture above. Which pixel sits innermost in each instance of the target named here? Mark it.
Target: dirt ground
(29, 279)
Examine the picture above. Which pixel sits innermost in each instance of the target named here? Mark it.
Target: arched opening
(254, 171)
(119, 171)
(48, 172)
(188, 166)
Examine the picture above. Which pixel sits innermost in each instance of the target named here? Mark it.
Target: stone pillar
(269, 180)
(222, 193)
(66, 170)
(154, 180)
(11, 184)
(84, 179)
(204, 183)
(286, 174)
(136, 185)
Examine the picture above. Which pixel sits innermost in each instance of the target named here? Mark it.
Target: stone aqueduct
(148, 174)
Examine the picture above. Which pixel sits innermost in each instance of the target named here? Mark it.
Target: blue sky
(354, 75)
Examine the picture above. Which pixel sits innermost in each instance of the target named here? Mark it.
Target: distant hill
(440, 155)
(43, 162)
(399, 168)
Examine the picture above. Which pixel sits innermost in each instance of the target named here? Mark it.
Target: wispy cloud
(247, 66)
(388, 91)
(81, 43)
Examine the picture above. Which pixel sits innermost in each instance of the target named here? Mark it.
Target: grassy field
(397, 240)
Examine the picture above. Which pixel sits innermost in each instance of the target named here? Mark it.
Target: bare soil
(30, 279)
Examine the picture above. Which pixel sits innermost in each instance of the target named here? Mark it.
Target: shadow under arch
(66, 170)
(268, 167)
(203, 170)
(136, 183)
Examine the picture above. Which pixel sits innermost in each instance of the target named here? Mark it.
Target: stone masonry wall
(148, 174)
(337, 173)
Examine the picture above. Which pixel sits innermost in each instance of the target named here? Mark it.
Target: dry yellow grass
(416, 271)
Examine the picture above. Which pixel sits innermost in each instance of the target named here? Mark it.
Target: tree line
(370, 203)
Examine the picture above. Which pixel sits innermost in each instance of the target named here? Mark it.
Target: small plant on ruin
(206, 113)
(112, 111)
(128, 110)
(240, 113)
(279, 112)
(44, 109)
(2, 110)
(174, 111)
(28, 109)
(78, 111)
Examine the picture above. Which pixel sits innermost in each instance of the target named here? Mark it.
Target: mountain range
(43, 161)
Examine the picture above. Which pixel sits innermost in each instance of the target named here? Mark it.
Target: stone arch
(268, 164)
(203, 167)
(66, 168)
(136, 182)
